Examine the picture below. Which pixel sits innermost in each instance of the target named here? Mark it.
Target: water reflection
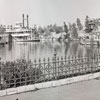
(67, 46)
(44, 50)
(74, 48)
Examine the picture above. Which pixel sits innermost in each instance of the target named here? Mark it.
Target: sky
(46, 12)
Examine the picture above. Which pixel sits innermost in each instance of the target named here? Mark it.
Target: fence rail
(22, 72)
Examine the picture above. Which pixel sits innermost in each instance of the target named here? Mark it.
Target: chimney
(27, 21)
(23, 20)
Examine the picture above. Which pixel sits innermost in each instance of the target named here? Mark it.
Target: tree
(58, 29)
(40, 30)
(74, 31)
(51, 28)
(87, 22)
(35, 31)
(65, 28)
(79, 25)
(70, 27)
(87, 26)
(55, 28)
(96, 23)
(46, 32)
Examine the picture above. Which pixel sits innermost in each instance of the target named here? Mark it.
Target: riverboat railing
(22, 72)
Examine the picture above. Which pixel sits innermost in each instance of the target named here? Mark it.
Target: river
(43, 50)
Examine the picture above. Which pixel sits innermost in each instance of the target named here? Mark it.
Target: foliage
(57, 29)
(35, 31)
(87, 26)
(20, 72)
(46, 32)
(79, 25)
(70, 27)
(96, 23)
(40, 30)
(74, 31)
(51, 28)
(65, 28)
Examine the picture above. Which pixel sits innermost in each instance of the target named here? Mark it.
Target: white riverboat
(20, 33)
(88, 42)
(90, 39)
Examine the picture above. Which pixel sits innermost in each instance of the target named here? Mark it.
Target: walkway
(87, 90)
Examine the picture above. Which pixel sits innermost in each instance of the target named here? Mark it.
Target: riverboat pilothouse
(22, 33)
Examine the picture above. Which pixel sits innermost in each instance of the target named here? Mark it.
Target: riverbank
(86, 90)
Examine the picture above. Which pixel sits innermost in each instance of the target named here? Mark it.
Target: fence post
(0, 73)
(39, 74)
(43, 69)
(1, 76)
(93, 62)
(55, 67)
(99, 61)
(35, 79)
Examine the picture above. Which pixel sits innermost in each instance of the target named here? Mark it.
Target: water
(44, 50)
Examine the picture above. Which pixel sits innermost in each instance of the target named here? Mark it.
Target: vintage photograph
(49, 50)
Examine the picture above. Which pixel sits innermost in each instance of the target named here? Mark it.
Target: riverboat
(20, 33)
(27, 40)
(90, 39)
(88, 42)
(23, 35)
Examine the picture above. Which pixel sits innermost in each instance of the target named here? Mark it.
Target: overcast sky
(44, 12)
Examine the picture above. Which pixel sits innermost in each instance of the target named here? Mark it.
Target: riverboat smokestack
(23, 20)
(27, 21)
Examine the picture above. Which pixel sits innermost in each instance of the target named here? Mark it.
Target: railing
(22, 72)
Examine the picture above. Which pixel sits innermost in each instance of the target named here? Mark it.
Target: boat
(22, 33)
(92, 38)
(27, 40)
(88, 42)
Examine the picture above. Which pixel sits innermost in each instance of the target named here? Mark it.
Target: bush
(19, 72)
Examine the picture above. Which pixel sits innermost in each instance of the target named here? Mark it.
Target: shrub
(19, 72)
